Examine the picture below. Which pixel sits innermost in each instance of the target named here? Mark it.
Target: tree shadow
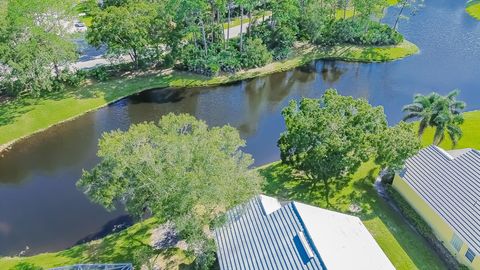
(10, 110)
(285, 183)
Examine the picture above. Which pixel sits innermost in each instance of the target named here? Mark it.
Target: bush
(100, 73)
(279, 41)
(410, 213)
(218, 58)
(26, 266)
(255, 54)
(72, 79)
(357, 31)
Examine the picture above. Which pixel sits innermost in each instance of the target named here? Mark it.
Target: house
(444, 188)
(267, 234)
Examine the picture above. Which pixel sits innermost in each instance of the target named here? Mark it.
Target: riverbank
(401, 244)
(473, 8)
(26, 116)
(116, 248)
(404, 247)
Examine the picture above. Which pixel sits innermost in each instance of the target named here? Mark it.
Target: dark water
(40, 206)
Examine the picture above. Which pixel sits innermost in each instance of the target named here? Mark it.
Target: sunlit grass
(402, 245)
(473, 8)
(470, 129)
(115, 248)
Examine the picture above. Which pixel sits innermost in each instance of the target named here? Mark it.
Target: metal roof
(449, 181)
(264, 234)
(251, 239)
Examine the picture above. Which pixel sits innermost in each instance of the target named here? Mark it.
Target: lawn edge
(302, 56)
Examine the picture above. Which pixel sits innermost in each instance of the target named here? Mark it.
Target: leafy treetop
(179, 170)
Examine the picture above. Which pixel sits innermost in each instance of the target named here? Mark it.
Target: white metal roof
(342, 240)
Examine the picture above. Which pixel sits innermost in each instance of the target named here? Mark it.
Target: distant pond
(41, 208)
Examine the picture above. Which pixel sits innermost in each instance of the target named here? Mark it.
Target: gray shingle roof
(450, 184)
(253, 240)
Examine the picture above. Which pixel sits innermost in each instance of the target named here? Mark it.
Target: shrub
(255, 54)
(357, 31)
(100, 73)
(218, 58)
(194, 59)
(410, 213)
(279, 41)
(72, 79)
(25, 266)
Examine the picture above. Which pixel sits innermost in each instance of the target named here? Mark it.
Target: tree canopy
(179, 170)
(35, 43)
(329, 138)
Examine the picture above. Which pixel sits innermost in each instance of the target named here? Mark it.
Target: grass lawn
(403, 246)
(115, 248)
(471, 133)
(473, 8)
(25, 116)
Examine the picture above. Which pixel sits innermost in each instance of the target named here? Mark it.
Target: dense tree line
(202, 36)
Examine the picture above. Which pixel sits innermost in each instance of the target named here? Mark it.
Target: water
(40, 206)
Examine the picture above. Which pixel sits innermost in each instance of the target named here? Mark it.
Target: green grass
(87, 20)
(473, 8)
(403, 246)
(25, 116)
(470, 129)
(115, 248)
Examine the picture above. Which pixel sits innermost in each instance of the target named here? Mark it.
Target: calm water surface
(41, 208)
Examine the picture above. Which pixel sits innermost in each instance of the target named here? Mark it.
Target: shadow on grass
(11, 110)
(285, 183)
(116, 248)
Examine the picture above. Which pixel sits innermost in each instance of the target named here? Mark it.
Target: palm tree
(422, 110)
(444, 113)
(448, 117)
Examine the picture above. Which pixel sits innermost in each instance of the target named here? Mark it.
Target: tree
(447, 118)
(329, 138)
(179, 170)
(442, 113)
(394, 146)
(124, 29)
(34, 38)
(422, 110)
(414, 5)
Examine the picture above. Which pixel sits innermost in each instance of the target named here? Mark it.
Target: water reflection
(41, 207)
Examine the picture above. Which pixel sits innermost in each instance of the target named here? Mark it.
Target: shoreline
(44, 113)
(473, 9)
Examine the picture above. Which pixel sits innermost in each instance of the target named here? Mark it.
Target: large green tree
(329, 138)
(444, 113)
(125, 29)
(394, 146)
(178, 170)
(35, 43)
